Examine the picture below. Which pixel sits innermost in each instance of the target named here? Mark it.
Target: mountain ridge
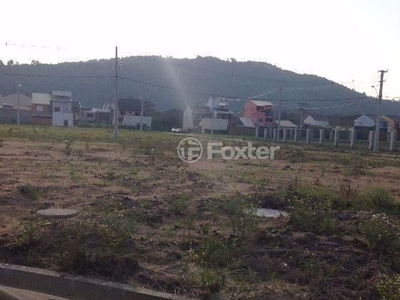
(174, 83)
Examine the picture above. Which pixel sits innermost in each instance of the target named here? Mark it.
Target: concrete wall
(63, 119)
(134, 121)
(216, 124)
(241, 130)
(74, 287)
(9, 115)
(41, 120)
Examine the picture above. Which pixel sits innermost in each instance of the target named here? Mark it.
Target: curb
(74, 287)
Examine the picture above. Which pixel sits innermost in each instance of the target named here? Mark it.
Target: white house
(193, 115)
(61, 108)
(369, 121)
(316, 119)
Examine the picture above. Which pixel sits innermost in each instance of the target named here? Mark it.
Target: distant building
(41, 109)
(393, 123)
(25, 101)
(77, 112)
(219, 108)
(9, 114)
(316, 120)
(127, 107)
(62, 112)
(286, 124)
(193, 115)
(366, 123)
(241, 126)
(134, 122)
(95, 115)
(9, 108)
(261, 113)
(369, 121)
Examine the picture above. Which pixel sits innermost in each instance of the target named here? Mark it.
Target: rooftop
(262, 103)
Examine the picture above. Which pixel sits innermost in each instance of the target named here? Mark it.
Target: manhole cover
(268, 212)
(57, 213)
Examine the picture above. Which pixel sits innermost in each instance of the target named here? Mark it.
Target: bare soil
(179, 216)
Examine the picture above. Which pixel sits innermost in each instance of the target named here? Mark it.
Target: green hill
(173, 83)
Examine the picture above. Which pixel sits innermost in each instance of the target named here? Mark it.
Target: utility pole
(212, 116)
(279, 114)
(116, 96)
(378, 114)
(141, 114)
(18, 108)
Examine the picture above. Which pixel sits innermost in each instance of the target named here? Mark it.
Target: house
(369, 121)
(241, 126)
(95, 115)
(193, 115)
(128, 107)
(316, 120)
(61, 109)
(261, 113)
(220, 108)
(366, 123)
(393, 122)
(13, 100)
(14, 104)
(41, 109)
(9, 114)
(286, 124)
(77, 111)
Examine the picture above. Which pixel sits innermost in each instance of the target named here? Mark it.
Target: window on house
(122, 112)
(65, 109)
(260, 120)
(57, 109)
(136, 113)
(90, 115)
(268, 120)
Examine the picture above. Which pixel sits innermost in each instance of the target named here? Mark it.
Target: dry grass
(149, 219)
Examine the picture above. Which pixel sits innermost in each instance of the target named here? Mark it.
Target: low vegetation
(148, 219)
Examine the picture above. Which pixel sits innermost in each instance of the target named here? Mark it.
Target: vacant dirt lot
(149, 219)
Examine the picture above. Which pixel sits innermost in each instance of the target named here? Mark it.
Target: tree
(166, 120)
(10, 62)
(1, 63)
(35, 62)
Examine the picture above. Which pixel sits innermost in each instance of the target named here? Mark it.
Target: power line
(326, 107)
(57, 76)
(231, 97)
(234, 98)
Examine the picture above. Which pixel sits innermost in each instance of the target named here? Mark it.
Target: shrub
(312, 214)
(29, 191)
(178, 205)
(381, 233)
(389, 287)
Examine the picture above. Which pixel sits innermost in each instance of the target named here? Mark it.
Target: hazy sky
(347, 41)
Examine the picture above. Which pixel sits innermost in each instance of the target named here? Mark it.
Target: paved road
(7, 293)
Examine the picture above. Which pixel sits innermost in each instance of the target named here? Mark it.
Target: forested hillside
(173, 83)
